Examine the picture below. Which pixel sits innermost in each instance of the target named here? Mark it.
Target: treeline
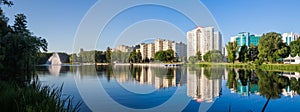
(210, 56)
(271, 49)
(19, 87)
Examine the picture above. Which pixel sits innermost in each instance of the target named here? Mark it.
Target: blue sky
(58, 20)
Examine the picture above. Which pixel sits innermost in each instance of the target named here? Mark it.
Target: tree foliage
(295, 47)
(243, 54)
(199, 56)
(232, 50)
(108, 55)
(213, 56)
(19, 50)
(271, 48)
(165, 56)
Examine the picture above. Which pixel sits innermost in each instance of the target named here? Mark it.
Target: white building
(179, 48)
(124, 48)
(292, 60)
(289, 37)
(144, 50)
(203, 39)
(167, 44)
(150, 50)
(158, 45)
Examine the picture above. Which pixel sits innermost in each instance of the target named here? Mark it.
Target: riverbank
(269, 67)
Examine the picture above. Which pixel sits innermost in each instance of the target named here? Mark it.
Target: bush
(34, 97)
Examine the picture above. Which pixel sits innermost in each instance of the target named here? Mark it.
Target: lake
(181, 88)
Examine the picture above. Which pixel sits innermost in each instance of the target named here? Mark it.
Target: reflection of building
(202, 88)
(203, 39)
(158, 77)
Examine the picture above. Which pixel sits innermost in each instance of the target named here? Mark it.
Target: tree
(295, 47)
(19, 50)
(199, 56)
(243, 54)
(213, 56)
(108, 55)
(252, 53)
(232, 49)
(271, 48)
(165, 56)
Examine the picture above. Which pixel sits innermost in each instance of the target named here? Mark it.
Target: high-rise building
(217, 41)
(124, 48)
(289, 37)
(167, 44)
(158, 45)
(179, 49)
(203, 39)
(244, 38)
(144, 50)
(151, 50)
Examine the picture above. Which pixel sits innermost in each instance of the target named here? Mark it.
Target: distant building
(144, 50)
(244, 38)
(217, 41)
(179, 48)
(288, 38)
(124, 48)
(158, 45)
(150, 50)
(203, 39)
(167, 44)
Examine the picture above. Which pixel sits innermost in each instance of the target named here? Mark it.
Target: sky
(60, 21)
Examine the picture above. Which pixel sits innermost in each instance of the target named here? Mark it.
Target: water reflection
(215, 86)
(204, 84)
(269, 84)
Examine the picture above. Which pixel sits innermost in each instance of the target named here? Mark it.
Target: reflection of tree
(135, 72)
(295, 85)
(231, 81)
(270, 84)
(213, 72)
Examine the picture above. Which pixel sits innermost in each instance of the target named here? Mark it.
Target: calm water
(215, 89)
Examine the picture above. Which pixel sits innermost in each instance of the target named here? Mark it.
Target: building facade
(245, 38)
(179, 49)
(150, 50)
(203, 39)
(158, 45)
(144, 50)
(288, 38)
(124, 48)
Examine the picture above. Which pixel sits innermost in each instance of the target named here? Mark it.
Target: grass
(269, 67)
(34, 98)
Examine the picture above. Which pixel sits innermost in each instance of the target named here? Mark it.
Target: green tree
(271, 48)
(295, 47)
(19, 50)
(199, 56)
(252, 53)
(213, 56)
(108, 55)
(232, 49)
(243, 54)
(165, 56)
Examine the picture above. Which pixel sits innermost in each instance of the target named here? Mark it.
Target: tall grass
(34, 98)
